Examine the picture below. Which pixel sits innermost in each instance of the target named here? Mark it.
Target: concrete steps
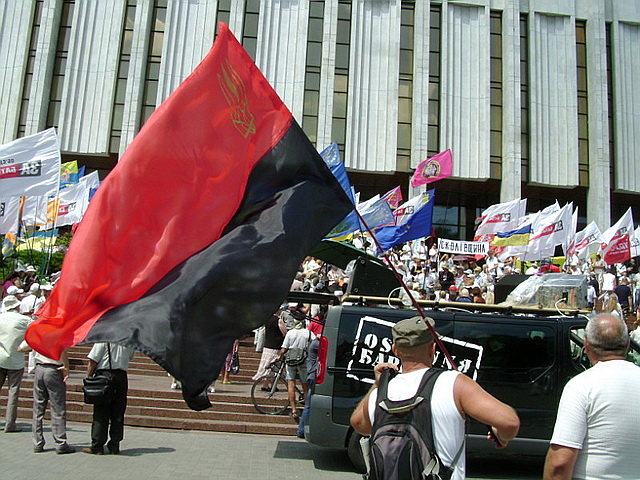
(151, 402)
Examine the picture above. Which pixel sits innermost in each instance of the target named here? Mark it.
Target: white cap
(13, 290)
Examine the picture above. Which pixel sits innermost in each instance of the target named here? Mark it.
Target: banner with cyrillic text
(460, 247)
(30, 166)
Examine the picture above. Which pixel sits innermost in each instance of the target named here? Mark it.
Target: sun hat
(412, 331)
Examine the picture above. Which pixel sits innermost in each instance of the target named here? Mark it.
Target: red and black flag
(195, 236)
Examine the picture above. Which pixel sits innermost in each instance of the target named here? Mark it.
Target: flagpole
(406, 288)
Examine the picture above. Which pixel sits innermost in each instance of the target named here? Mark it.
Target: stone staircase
(151, 402)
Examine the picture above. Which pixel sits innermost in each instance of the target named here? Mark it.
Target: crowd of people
(22, 295)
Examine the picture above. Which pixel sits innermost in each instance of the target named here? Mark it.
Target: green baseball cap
(412, 331)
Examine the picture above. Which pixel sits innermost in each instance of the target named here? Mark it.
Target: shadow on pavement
(136, 452)
(327, 459)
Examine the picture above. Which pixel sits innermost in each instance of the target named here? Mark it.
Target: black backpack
(401, 442)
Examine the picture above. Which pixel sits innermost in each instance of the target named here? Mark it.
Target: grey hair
(609, 337)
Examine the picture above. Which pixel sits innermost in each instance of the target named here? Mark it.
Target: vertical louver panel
(554, 101)
(282, 45)
(188, 36)
(626, 75)
(15, 33)
(465, 100)
(372, 120)
(90, 76)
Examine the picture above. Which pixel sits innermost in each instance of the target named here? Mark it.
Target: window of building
(312, 70)
(152, 70)
(341, 75)
(583, 127)
(612, 144)
(250, 27)
(524, 98)
(405, 87)
(28, 76)
(433, 128)
(123, 73)
(60, 63)
(495, 23)
(223, 13)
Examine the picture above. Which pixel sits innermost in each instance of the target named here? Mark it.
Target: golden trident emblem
(235, 93)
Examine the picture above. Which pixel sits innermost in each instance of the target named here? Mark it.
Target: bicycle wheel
(273, 401)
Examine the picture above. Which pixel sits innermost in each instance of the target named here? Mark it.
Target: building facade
(536, 98)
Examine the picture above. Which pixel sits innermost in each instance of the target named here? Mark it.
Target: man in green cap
(455, 396)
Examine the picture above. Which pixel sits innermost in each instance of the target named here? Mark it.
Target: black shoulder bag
(99, 389)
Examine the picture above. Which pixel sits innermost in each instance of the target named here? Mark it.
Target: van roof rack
(471, 307)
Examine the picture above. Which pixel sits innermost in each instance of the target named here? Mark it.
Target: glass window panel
(65, 38)
(121, 89)
(53, 114)
(57, 83)
(583, 147)
(404, 110)
(315, 29)
(582, 78)
(311, 101)
(432, 137)
(114, 145)
(580, 35)
(338, 129)
(150, 92)
(250, 45)
(223, 17)
(434, 108)
(146, 112)
(495, 170)
(406, 36)
(496, 144)
(316, 9)
(130, 17)
(583, 126)
(581, 53)
(251, 25)
(582, 104)
(123, 69)
(405, 88)
(118, 112)
(406, 61)
(310, 127)
(496, 96)
(344, 31)
(404, 136)
(434, 65)
(434, 39)
(496, 70)
(344, 10)
(340, 105)
(342, 56)
(340, 83)
(434, 91)
(153, 70)
(496, 46)
(314, 54)
(126, 42)
(312, 81)
(496, 117)
(59, 66)
(406, 15)
(156, 43)
(445, 215)
(253, 6)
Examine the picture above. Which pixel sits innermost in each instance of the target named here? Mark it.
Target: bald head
(607, 335)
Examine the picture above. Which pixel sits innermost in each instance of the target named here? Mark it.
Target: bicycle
(273, 399)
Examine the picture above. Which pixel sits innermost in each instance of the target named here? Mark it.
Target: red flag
(617, 240)
(432, 169)
(194, 238)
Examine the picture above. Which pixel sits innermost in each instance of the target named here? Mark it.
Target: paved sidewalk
(158, 454)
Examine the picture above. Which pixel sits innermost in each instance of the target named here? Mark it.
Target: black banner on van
(373, 345)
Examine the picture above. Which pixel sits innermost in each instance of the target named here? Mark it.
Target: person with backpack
(415, 417)
(294, 351)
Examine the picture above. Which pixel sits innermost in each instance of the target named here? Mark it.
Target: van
(522, 359)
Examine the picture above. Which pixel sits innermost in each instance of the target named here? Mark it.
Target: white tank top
(448, 424)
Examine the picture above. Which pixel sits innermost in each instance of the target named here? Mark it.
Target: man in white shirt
(112, 359)
(454, 396)
(598, 418)
(12, 328)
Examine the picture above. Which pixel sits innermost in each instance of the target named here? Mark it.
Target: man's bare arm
(560, 462)
(471, 399)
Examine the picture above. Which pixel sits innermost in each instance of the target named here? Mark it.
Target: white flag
(550, 230)
(502, 217)
(616, 246)
(635, 243)
(9, 211)
(588, 236)
(74, 201)
(571, 235)
(30, 166)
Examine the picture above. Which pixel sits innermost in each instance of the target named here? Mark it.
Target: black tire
(354, 451)
(273, 402)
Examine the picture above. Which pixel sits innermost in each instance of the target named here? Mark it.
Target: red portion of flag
(171, 195)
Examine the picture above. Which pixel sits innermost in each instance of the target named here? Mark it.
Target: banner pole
(406, 288)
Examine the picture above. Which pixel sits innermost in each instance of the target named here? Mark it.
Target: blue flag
(416, 225)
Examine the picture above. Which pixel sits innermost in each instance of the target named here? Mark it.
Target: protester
(108, 420)
(455, 396)
(297, 338)
(597, 416)
(274, 333)
(13, 325)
